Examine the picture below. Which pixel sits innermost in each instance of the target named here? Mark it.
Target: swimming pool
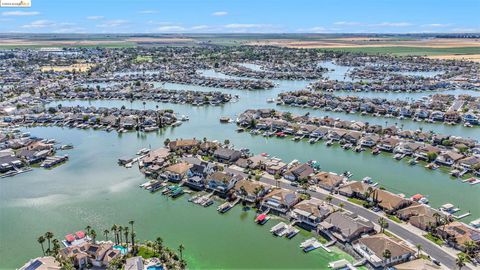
(155, 267)
(122, 249)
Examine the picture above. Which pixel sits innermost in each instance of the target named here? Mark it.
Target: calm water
(90, 189)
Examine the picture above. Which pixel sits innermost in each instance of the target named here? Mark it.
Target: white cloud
(112, 23)
(393, 24)
(245, 25)
(170, 28)
(148, 12)
(38, 24)
(220, 13)
(436, 25)
(347, 23)
(200, 27)
(20, 13)
(95, 17)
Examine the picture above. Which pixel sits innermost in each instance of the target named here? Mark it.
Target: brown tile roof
(379, 243)
(179, 168)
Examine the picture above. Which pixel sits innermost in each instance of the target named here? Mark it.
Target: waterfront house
(298, 172)
(355, 189)
(419, 215)
(42, 263)
(311, 212)
(471, 118)
(373, 247)
(257, 162)
(353, 136)
(417, 264)
(369, 140)
(222, 182)
(196, 175)
(319, 132)
(437, 116)
(227, 155)
(32, 157)
(156, 157)
(98, 255)
(250, 190)
(345, 227)
(469, 163)
(424, 151)
(183, 144)
(134, 263)
(275, 166)
(9, 163)
(388, 144)
(458, 233)
(390, 202)
(449, 158)
(327, 180)
(407, 148)
(336, 134)
(280, 200)
(452, 116)
(176, 172)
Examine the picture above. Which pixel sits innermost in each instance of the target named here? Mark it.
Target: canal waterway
(91, 189)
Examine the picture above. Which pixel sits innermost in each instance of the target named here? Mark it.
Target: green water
(91, 189)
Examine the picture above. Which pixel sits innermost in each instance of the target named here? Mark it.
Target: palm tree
(132, 235)
(181, 248)
(437, 217)
(105, 232)
(114, 230)
(383, 224)
(88, 228)
(341, 206)
(470, 248)
(386, 254)
(460, 261)
(419, 249)
(120, 230)
(93, 234)
(159, 245)
(125, 232)
(329, 199)
(56, 246)
(48, 236)
(41, 240)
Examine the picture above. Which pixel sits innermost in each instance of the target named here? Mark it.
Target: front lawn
(394, 218)
(146, 252)
(434, 239)
(356, 201)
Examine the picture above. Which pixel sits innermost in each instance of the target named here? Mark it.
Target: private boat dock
(52, 161)
(312, 244)
(223, 208)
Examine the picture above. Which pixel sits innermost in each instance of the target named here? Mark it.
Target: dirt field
(469, 57)
(76, 67)
(370, 42)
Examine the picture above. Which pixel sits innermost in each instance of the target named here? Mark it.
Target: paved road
(429, 247)
(436, 252)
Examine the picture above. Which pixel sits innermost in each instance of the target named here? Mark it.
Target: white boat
(184, 118)
(176, 124)
(279, 229)
(143, 151)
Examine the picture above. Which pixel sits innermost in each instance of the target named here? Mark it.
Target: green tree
(49, 236)
(460, 261)
(41, 240)
(181, 248)
(383, 224)
(105, 232)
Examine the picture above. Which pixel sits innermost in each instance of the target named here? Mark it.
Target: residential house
(42, 263)
(176, 172)
(355, 189)
(388, 144)
(458, 233)
(449, 158)
(298, 172)
(311, 212)
(327, 180)
(227, 155)
(222, 182)
(390, 202)
(183, 144)
(373, 247)
(250, 190)
(345, 227)
(280, 200)
(419, 215)
(275, 166)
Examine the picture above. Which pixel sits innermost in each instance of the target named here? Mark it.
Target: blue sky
(242, 16)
